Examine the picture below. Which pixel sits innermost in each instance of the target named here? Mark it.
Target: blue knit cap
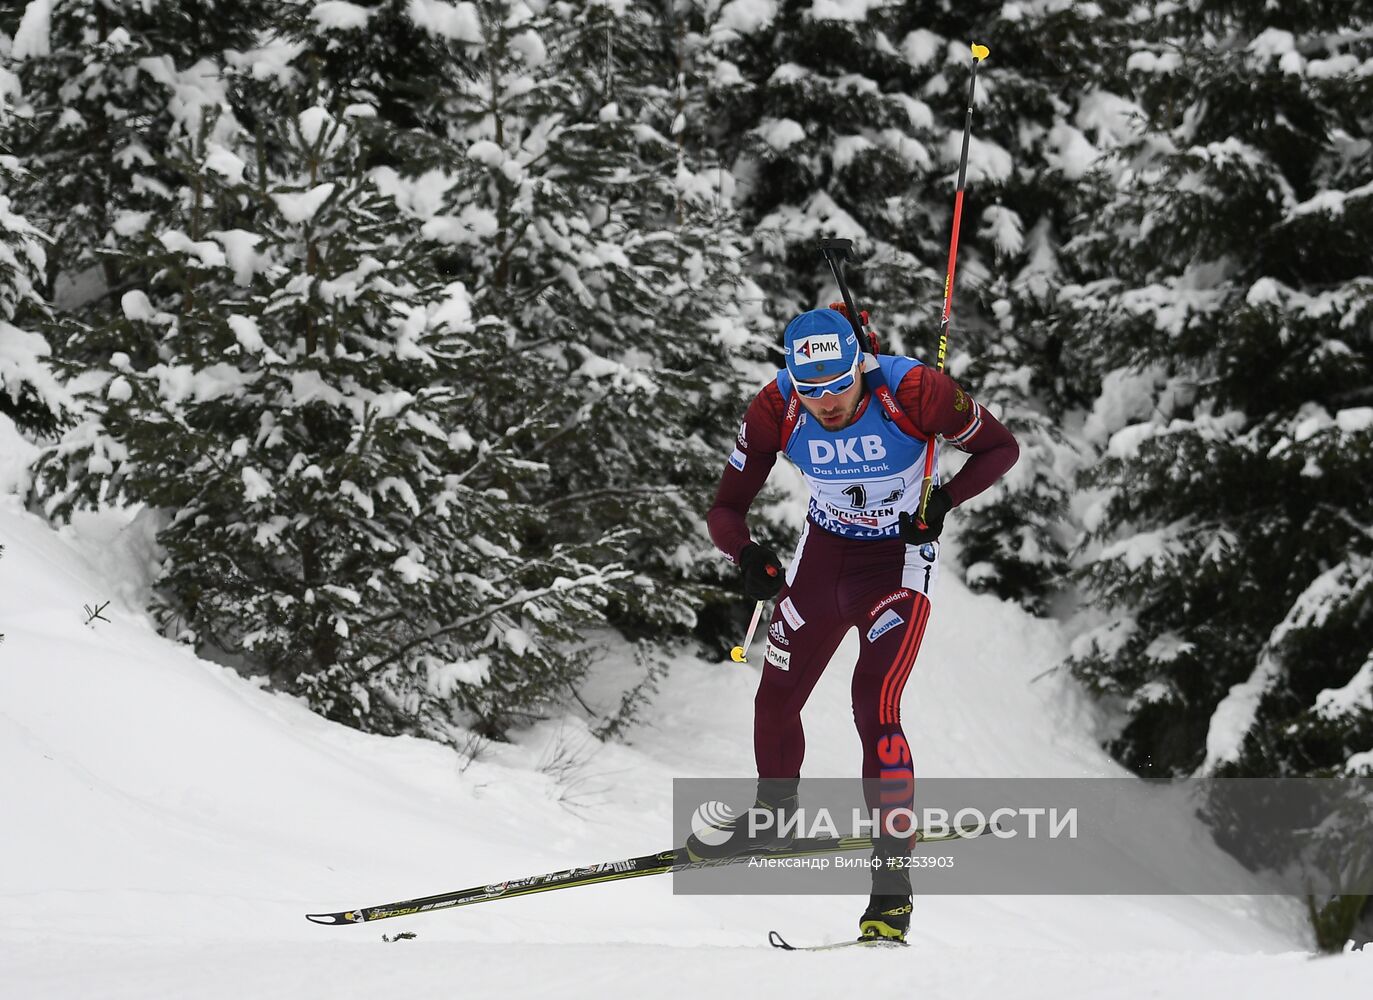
(820, 344)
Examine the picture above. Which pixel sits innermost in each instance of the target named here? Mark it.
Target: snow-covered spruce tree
(1233, 547)
(314, 434)
(610, 256)
(828, 139)
(666, 374)
(718, 327)
(456, 616)
(1307, 706)
(1233, 514)
(189, 258)
(1038, 130)
(30, 392)
(102, 85)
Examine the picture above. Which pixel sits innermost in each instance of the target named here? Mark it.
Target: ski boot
(888, 915)
(886, 919)
(733, 839)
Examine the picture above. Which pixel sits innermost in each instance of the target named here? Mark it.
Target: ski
(610, 871)
(661, 863)
(777, 941)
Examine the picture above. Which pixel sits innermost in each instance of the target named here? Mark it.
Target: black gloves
(762, 572)
(936, 507)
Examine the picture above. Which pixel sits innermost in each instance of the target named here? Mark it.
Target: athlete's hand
(762, 572)
(936, 507)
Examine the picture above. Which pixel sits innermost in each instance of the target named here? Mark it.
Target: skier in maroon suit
(864, 558)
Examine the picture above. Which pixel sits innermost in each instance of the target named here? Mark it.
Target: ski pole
(980, 52)
(739, 654)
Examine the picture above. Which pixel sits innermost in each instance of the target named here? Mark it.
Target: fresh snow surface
(167, 824)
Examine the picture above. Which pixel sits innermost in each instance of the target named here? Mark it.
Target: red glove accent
(839, 307)
(873, 346)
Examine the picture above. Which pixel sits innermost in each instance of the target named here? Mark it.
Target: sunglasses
(834, 387)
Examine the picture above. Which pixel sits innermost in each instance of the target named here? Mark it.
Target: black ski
(610, 871)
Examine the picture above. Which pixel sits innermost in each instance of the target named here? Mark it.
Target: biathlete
(863, 560)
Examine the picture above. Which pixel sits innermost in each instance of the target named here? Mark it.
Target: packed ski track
(168, 823)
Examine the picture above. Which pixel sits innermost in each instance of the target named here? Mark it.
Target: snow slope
(166, 824)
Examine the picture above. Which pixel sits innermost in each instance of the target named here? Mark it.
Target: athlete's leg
(805, 629)
(894, 611)
(892, 583)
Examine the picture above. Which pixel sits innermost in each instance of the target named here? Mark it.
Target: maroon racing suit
(835, 583)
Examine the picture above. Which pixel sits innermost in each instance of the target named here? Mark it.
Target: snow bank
(189, 820)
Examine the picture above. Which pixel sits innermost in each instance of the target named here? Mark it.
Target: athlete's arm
(937, 404)
(755, 453)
